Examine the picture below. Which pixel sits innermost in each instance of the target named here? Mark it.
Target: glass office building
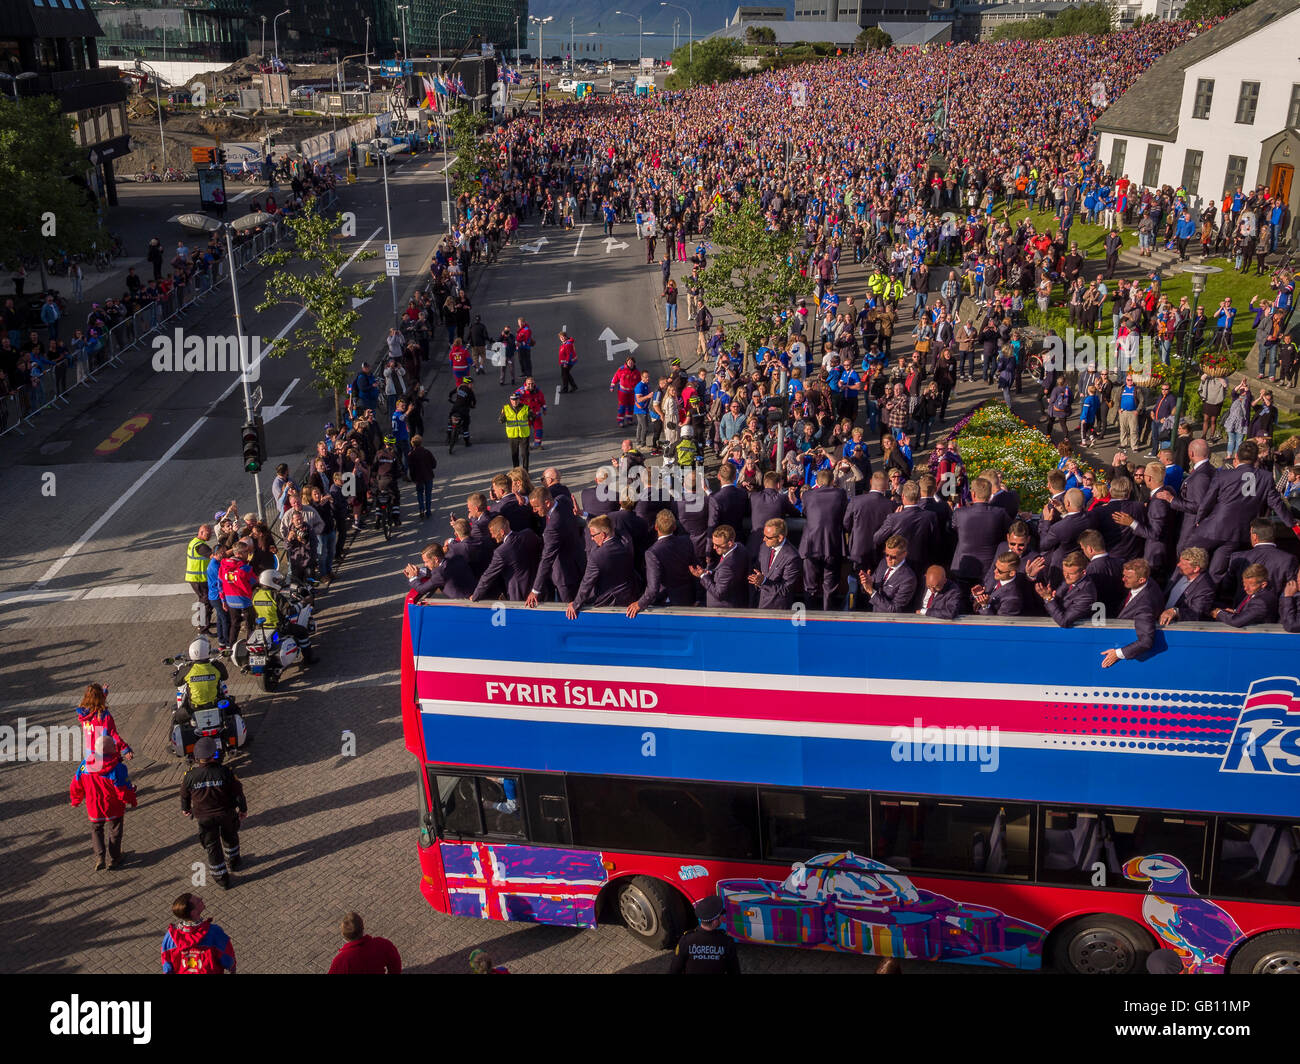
(175, 30)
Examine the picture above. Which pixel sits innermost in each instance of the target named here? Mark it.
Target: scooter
(221, 721)
(267, 653)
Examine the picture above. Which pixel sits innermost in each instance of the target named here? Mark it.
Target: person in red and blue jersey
(101, 781)
(96, 720)
(193, 946)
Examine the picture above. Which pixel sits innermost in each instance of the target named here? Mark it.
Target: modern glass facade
(177, 30)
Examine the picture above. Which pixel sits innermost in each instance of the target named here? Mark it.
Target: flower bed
(992, 437)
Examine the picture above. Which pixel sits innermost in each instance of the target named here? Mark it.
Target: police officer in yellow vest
(205, 682)
(877, 283)
(197, 556)
(266, 605)
(517, 417)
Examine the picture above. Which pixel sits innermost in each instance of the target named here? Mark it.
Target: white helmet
(200, 650)
(272, 579)
(688, 431)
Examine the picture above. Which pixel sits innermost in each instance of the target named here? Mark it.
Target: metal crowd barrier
(29, 400)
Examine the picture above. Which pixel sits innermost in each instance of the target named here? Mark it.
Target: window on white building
(1192, 171)
(1247, 102)
(1293, 111)
(1151, 172)
(1204, 97)
(1236, 175)
(1117, 152)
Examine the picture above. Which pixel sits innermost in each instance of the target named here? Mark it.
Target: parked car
(567, 85)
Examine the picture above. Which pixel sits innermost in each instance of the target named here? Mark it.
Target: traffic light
(221, 156)
(254, 444)
(778, 407)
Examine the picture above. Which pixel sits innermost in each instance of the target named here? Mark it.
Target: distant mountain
(593, 15)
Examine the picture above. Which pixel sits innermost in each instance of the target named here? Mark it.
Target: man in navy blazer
(506, 503)
(1058, 534)
(932, 501)
(1236, 497)
(729, 505)
(822, 544)
(632, 531)
(463, 546)
(892, 586)
(1006, 592)
(726, 582)
(779, 577)
(693, 514)
(449, 574)
(1144, 605)
(1003, 497)
(1157, 525)
(980, 529)
(1289, 607)
(1263, 551)
(1191, 598)
(918, 526)
(1122, 540)
(942, 597)
(1104, 570)
(862, 518)
(564, 554)
(1258, 606)
(610, 578)
(1195, 486)
(600, 498)
(513, 564)
(668, 577)
(766, 504)
(1073, 599)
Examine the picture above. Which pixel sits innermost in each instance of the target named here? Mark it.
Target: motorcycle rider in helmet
(205, 682)
(266, 604)
(462, 400)
(386, 473)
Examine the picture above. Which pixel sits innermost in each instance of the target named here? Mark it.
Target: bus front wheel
(651, 911)
(1272, 953)
(1101, 945)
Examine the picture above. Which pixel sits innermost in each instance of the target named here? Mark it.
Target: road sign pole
(388, 221)
(243, 359)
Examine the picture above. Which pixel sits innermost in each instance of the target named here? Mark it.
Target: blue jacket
(214, 579)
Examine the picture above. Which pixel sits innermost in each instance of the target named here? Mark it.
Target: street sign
(255, 400)
(392, 268)
(390, 251)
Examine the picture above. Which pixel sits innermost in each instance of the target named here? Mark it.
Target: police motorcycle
(268, 652)
(207, 712)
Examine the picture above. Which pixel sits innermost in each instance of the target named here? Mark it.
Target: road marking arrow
(613, 244)
(612, 345)
(535, 246)
(277, 408)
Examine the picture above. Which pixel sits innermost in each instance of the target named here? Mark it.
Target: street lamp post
(14, 79)
(690, 30)
(516, 42)
(638, 35)
(367, 63)
(275, 33)
(388, 222)
(541, 69)
(262, 54)
(157, 99)
(1200, 275)
(244, 354)
(440, 18)
(406, 55)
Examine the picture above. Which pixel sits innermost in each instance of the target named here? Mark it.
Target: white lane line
(579, 243)
(569, 290)
(144, 477)
(557, 393)
(108, 591)
(285, 394)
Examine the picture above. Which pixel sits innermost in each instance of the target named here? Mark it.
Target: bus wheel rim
(1101, 950)
(637, 911)
(1281, 962)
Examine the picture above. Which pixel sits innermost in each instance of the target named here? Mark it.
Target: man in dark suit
(729, 505)
(506, 503)
(1073, 599)
(514, 562)
(1122, 542)
(557, 488)
(1236, 497)
(476, 510)
(822, 544)
(1104, 570)
(1258, 605)
(668, 577)
(726, 582)
(600, 498)
(892, 587)
(918, 527)
(980, 530)
(564, 555)
(693, 514)
(610, 578)
(862, 518)
(1195, 486)
(932, 501)
(1006, 591)
(1003, 497)
(1156, 526)
(1191, 598)
(450, 575)
(475, 555)
(766, 504)
(632, 531)
(779, 577)
(1058, 533)
(1289, 607)
(1263, 551)
(942, 597)
(1144, 605)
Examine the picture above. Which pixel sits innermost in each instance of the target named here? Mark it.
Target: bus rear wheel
(1101, 945)
(1272, 953)
(651, 911)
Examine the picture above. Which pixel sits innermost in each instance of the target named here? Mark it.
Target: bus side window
(503, 813)
(548, 809)
(1258, 859)
(458, 813)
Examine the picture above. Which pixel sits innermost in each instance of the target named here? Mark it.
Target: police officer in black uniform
(708, 950)
(213, 795)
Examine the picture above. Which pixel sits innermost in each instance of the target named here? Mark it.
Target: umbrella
(198, 223)
(251, 221)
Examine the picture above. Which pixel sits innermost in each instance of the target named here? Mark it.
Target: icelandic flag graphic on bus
(1267, 736)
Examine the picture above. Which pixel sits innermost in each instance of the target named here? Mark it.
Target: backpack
(708, 319)
(194, 959)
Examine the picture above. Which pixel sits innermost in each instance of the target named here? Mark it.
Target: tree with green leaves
(465, 128)
(873, 37)
(753, 269)
(760, 35)
(1029, 29)
(1095, 18)
(715, 60)
(46, 208)
(328, 335)
(1203, 10)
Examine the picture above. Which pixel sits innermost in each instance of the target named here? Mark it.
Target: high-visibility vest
(204, 682)
(196, 566)
(265, 607)
(518, 421)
